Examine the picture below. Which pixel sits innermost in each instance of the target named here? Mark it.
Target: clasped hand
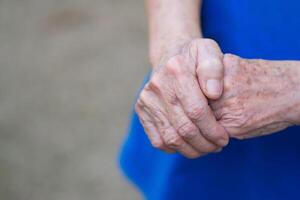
(197, 99)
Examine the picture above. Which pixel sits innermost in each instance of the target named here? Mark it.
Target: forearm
(171, 24)
(291, 71)
(260, 97)
(284, 81)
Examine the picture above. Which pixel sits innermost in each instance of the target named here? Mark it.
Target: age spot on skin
(249, 81)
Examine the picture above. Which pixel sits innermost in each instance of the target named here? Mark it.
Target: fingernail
(223, 142)
(218, 150)
(213, 87)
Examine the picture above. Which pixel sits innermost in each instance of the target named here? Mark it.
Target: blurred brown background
(69, 70)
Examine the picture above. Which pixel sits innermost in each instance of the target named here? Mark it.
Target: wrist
(171, 25)
(164, 47)
(293, 99)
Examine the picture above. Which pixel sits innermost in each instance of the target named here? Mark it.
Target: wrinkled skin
(173, 108)
(260, 97)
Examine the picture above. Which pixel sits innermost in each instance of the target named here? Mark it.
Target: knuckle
(172, 99)
(210, 134)
(174, 66)
(197, 113)
(153, 85)
(210, 42)
(187, 131)
(157, 144)
(174, 61)
(210, 64)
(138, 105)
(174, 142)
(230, 59)
(142, 98)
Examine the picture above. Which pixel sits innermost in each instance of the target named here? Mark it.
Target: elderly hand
(172, 108)
(259, 96)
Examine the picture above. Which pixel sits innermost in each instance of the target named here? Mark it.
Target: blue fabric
(260, 168)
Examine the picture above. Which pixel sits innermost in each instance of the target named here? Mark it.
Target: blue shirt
(261, 168)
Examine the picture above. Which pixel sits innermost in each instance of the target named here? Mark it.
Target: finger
(182, 124)
(174, 141)
(195, 105)
(210, 69)
(188, 130)
(151, 130)
(170, 137)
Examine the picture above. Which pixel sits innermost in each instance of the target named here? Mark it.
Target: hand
(258, 96)
(172, 107)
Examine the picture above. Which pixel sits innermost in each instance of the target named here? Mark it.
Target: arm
(172, 108)
(172, 23)
(260, 97)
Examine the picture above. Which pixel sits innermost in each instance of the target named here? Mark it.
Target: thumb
(210, 69)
